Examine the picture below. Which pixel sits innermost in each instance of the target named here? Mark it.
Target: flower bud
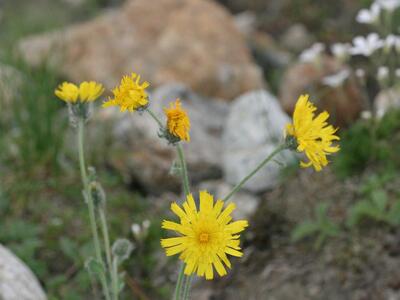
(97, 193)
(78, 111)
(122, 249)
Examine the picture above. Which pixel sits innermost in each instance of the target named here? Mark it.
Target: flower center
(204, 237)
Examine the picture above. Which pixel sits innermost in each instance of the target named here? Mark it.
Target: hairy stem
(252, 173)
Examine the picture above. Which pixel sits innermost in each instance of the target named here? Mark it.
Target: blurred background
(239, 67)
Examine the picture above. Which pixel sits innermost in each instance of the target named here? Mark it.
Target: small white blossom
(360, 73)
(389, 5)
(397, 73)
(369, 16)
(337, 79)
(366, 114)
(392, 41)
(366, 46)
(313, 53)
(341, 51)
(383, 73)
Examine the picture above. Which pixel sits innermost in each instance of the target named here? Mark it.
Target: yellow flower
(130, 94)
(206, 236)
(313, 136)
(68, 92)
(86, 92)
(178, 123)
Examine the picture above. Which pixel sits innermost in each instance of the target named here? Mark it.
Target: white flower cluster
(372, 15)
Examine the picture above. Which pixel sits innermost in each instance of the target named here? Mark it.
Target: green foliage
(376, 206)
(322, 227)
(37, 130)
(366, 142)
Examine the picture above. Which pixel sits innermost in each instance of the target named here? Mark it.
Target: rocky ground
(235, 65)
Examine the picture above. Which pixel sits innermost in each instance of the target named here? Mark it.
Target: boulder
(146, 160)
(191, 41)
(17, 282)
(254, 128)
(246, 203)
(343, 102)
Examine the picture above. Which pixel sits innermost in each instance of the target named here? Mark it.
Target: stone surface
(17, 282)
(254, 128)
(344, 103)
(146, 160)
(297, 38)
(246, 203)
(191, 41)
(387, 100)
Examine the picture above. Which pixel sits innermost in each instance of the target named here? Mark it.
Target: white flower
(341, 51)
(369, 16)
(397, 73)
(337, 79)
(366, 46)
(383, 73)
(389, 5)
(313, 53)
(392, 41)
(360, 73)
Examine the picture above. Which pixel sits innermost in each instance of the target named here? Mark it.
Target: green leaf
(363, 209)
(379, 198)
(303, 230)
(94, 267)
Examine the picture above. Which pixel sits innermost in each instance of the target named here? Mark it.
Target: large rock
(17, 282)
(254, 128)
(343, 102)
(146, 160)
(190, 41)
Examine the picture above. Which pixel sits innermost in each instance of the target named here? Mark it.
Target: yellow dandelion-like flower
(87, 91)
(178, 123)
(313, 136)
(130, 94)
(206, 236)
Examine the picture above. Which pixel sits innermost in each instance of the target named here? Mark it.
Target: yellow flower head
(313, 136)
(178, 123)
(206, 236)
(86, 92)
(130, 94)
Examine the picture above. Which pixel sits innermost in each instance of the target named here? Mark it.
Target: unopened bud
(122, 249)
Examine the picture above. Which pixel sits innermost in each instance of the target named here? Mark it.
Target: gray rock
(246, 203)
(17, 282)
(297, 38)
(254, 128)
(146, 160)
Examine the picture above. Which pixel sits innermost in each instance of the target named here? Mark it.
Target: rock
(195, 42)
(246, 22)
(387, 100)
(17, 282)
(296, 38)
(146, 160)
(246, 203)
(254, 128)
(344, 102)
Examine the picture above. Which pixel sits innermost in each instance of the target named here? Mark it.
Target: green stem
(114, 272)
(186, 287)
(154, 116)
(251, 174)
(89, 200)
(178, 288)
(107, 247)
(184, 172)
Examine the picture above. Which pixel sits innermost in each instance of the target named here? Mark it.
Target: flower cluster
(130, 94)
(178, 123)
(206, 236)
(206, 233)
(86, 92)
(313, 136)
